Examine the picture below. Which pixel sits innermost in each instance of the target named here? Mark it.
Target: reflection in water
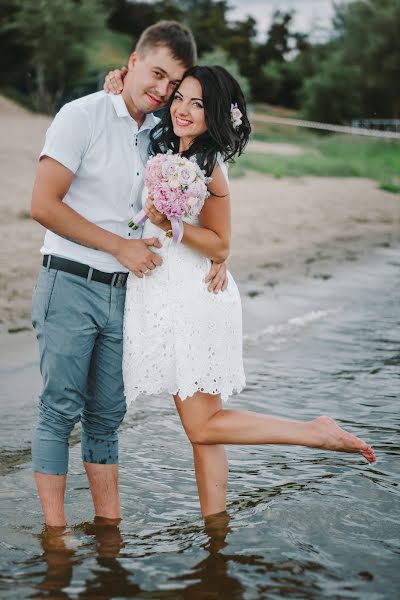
(214, 576)
(106, 580)
(211, 577)
(59, 558)
(109, 579)
(62, 553)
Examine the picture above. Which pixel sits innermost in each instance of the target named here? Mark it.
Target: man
(88, 186)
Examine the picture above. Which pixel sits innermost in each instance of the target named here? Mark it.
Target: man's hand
(217, 277)
(136, 255)
(154, 215)
(114, 81)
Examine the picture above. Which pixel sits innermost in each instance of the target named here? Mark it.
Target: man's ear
(132, 60)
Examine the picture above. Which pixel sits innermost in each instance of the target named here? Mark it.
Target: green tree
(273, 51)
(208, 21)
(240, 45)
(369, 34)
(282, 83)
(278, 42)
(333, 95)
(132, 18)
(13, 54)
(56, 35)
(358, 71)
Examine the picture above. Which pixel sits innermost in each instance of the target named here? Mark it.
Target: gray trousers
(78, 324)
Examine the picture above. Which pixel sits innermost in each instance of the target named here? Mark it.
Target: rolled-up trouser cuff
(49, 454)
(98, 451)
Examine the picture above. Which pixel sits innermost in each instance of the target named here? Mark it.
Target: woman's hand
(154, 215)
(114, 81)
(217, 278)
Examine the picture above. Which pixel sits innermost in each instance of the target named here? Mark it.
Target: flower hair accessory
(236, 115)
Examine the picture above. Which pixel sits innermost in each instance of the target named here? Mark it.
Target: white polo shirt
(96, 138)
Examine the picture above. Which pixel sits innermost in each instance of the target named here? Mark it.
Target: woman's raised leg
(211, 466)
(225, 426)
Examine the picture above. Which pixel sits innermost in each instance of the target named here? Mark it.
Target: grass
(327, 155)
(277, 111)
(390, 187)
(18, 329)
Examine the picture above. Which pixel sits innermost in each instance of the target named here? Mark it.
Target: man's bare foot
(332, 437)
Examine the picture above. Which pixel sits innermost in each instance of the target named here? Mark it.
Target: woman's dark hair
(220, 91)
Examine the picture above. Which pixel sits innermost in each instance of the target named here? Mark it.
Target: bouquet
(178, 187)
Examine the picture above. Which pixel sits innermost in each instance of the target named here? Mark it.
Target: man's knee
(50, 441)
(55, 417)
(104, 423)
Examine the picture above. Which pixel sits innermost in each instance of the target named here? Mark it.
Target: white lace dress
(179, 337)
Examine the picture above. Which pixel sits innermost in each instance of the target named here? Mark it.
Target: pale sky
(311, 15)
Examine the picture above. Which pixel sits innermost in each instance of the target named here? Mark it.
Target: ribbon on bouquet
(138, 220)
(177, 225)
(177, 229)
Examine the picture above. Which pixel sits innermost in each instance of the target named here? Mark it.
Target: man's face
(151, 79)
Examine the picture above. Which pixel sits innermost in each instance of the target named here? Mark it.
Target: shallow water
(302, 523)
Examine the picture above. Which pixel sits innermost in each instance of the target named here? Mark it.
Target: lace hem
(132, 392)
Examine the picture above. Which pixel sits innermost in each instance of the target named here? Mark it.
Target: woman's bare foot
(332, 437)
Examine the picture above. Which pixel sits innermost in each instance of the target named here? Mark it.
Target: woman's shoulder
(223, 166)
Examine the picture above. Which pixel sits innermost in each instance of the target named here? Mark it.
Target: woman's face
(187, 110)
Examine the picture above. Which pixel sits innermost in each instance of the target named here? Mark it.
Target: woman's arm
(212, 239)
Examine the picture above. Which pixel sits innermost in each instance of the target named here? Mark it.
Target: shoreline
(285, 234)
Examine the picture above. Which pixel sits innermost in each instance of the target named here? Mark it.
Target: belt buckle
(118, 280)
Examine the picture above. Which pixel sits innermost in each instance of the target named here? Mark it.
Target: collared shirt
(96, 138)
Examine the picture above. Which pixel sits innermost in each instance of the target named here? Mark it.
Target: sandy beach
(281, 228)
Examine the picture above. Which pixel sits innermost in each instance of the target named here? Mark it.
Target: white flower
(174, 182)
(236, 116)
(169, 169)
(187, 174)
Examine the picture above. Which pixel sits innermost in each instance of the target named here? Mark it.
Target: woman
(181, 339)
(174, 327)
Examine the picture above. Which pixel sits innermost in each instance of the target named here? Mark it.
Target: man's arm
(51, 185)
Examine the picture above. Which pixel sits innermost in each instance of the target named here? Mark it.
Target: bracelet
(169, 233)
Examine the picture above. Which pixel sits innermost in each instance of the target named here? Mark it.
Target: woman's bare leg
(211, 469)
(206, 422)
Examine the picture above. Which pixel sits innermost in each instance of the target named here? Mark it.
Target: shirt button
(137, 174)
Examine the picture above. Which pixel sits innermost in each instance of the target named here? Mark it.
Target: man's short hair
(172, 35)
